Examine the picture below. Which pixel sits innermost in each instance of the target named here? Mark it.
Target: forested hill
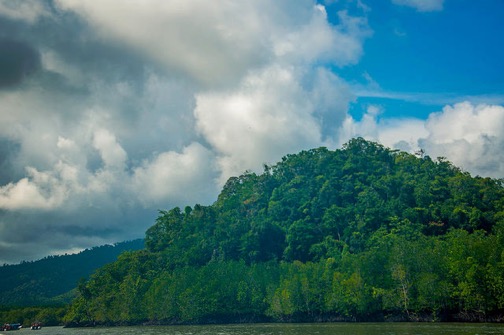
(360, 233)
(50, 281)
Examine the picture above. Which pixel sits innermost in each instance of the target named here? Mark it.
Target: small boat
(36, 326)
(11, 326)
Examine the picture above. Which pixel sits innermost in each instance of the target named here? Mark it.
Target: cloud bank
(111, 110)
(469, 135)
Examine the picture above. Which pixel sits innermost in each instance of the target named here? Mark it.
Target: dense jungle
(360, 233)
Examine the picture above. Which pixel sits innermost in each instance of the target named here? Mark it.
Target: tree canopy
(51, 281)
(359, 233)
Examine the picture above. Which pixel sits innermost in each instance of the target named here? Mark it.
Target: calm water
(287, 329)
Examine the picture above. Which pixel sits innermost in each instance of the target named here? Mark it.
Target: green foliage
(52, 280)
(354, 234)
(47, 316)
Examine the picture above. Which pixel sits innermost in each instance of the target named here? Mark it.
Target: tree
(352, 234)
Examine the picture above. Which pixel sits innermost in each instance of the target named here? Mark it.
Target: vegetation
(46, 315)
(52, 280)
(361, 233)
(41, 290)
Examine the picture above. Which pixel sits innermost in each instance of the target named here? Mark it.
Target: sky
(112, 110)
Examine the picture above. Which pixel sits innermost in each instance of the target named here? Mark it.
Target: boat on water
(11, 326)
(36, 326)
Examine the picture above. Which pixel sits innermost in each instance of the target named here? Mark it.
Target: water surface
(288, 329)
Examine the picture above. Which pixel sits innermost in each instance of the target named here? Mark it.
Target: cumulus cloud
(210, 42)
(182, 178)
(111, 152)
(468, 135)
(218, 42)
(421, 5)
(114, 111)
(319, 41)
(30, 194)
(249, 126)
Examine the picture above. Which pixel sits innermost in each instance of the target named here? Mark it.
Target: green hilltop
(360, 233)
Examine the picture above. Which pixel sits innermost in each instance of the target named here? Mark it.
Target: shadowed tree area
(51, 281)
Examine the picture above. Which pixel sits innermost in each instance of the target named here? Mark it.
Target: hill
(52, 280)
(360, 233)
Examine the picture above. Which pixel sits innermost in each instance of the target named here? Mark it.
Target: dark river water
(286, 329)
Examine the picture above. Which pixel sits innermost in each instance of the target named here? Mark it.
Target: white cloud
(321, 42)
(269, 115)
(464, 121)
(176, 178)
(403, 133)
(421, 5)
(40, 190)
(211, 42)
(218, 42)
(468, 135)
(22, 194)
(111, 152)
(400, 133)
(25, 10)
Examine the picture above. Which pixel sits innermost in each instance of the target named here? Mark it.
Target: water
(287, 329)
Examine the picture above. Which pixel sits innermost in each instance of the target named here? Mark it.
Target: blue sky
(111, 109)
(421, 61)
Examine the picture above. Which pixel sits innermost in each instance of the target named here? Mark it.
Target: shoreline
(461, 317)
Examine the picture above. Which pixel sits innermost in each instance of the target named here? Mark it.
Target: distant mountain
(52, 280)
